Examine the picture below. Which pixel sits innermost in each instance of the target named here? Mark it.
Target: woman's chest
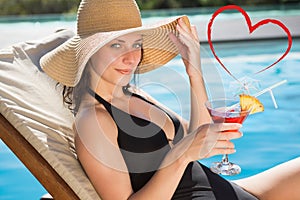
(144, 119)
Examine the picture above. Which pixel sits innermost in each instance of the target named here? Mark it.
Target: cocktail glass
(226, 111)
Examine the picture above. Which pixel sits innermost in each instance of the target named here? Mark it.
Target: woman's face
(115, 62)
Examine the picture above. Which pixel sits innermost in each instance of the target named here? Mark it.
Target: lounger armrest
(28, 155)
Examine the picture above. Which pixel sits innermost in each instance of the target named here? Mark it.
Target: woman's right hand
(209, 140)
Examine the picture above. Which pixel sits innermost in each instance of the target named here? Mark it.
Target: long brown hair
(72, 96)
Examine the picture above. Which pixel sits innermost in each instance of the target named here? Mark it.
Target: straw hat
(99, 22)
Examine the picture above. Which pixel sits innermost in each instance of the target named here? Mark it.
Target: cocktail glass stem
(225, 159)
(225, 167)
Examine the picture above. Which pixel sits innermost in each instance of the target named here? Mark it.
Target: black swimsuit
(144, 145)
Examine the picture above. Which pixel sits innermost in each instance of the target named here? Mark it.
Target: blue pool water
(269, 138)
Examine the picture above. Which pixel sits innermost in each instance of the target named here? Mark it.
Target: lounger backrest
(31, 101)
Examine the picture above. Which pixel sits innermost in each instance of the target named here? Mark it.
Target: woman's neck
(109, 91)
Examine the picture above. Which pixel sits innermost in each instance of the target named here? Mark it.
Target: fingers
(230, 126)
(188, 46)
(185, 30)
(216, 151)
(181, 25)
(214, 139)
(185, 34)
(224, 144)
(228, 131)
(175, 40)
(222, 147)
(230, 135)
(194, 32)
(223, 134)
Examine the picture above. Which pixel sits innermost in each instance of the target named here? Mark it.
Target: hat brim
(66, 63)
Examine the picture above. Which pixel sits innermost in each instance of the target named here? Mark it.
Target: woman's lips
(124, 71)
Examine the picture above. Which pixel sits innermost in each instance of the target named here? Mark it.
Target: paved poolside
(224, 28)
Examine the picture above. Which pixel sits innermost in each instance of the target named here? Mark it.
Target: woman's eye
(115, 45)
(137, 46)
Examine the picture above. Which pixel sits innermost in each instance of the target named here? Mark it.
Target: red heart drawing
(251, 29)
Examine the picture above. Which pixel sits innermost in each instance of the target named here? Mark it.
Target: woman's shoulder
(95, 118)
(91, 111)
(142, 93)
(136, 90)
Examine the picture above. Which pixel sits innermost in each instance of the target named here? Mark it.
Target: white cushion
(32, 103)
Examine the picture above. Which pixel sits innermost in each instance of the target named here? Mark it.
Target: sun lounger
(35, 124)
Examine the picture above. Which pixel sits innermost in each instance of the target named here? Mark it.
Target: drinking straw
(269, 89)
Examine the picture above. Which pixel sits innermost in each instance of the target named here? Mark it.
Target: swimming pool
(269, 138)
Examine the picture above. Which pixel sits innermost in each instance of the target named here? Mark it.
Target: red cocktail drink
(226, 111)
(240, 119)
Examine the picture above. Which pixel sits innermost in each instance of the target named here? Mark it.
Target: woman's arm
(189, 48)
(98, 152)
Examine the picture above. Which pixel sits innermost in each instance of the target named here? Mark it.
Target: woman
(131, 146)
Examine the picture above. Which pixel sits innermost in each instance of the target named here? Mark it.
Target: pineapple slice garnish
(251, 103)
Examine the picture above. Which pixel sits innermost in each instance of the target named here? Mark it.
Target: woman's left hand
(189, 47)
